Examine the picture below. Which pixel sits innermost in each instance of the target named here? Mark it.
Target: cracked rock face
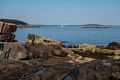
(22, 51)
(7, 32)
(46, 60)
(16, 70)
(28, 70)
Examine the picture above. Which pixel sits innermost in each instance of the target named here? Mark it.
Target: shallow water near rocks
(39, 72)
(68, 78)
(107, 63)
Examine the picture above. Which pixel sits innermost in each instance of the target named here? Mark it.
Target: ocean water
(72, 35)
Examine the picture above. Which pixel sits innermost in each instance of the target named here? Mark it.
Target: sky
(62, 11)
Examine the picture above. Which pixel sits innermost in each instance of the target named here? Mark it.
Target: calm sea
(73, 34)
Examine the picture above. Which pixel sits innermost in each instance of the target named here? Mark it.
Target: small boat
(61, 26)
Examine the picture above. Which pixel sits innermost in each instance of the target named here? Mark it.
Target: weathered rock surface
(16, 70)
(37, 62)
(87, 50)
(43, 59)
(51, 69)
(21, 51)
(96, 71)
(35, 39)
(13, 50)
(6, 32)
(40, 62)
(7, 27)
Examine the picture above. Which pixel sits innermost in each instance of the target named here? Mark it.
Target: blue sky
(62, 11)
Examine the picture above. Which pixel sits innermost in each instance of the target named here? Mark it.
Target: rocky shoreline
(47, 59)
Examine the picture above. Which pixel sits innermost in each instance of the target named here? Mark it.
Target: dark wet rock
(39, 72)
(68, 77)
(114, 45)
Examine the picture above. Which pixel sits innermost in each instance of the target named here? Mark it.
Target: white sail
(61, 26)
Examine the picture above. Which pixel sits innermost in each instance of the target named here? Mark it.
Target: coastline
(43, 58)
(28, 26)
(40, 59)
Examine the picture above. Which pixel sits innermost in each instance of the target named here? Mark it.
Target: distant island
(22, 24)
(95, 26)
(19, 23)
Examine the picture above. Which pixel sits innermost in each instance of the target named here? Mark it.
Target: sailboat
(61, 26)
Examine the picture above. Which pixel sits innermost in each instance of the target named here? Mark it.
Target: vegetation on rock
(14, 21)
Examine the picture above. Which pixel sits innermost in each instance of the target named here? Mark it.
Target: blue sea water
(72, 35)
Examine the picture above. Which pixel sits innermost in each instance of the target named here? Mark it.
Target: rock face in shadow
(114, 45)
(16, 70)
(6, 32)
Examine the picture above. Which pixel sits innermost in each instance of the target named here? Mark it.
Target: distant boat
(61, 26)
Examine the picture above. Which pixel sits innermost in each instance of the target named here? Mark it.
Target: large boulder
(7, 27)
(6, 32)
